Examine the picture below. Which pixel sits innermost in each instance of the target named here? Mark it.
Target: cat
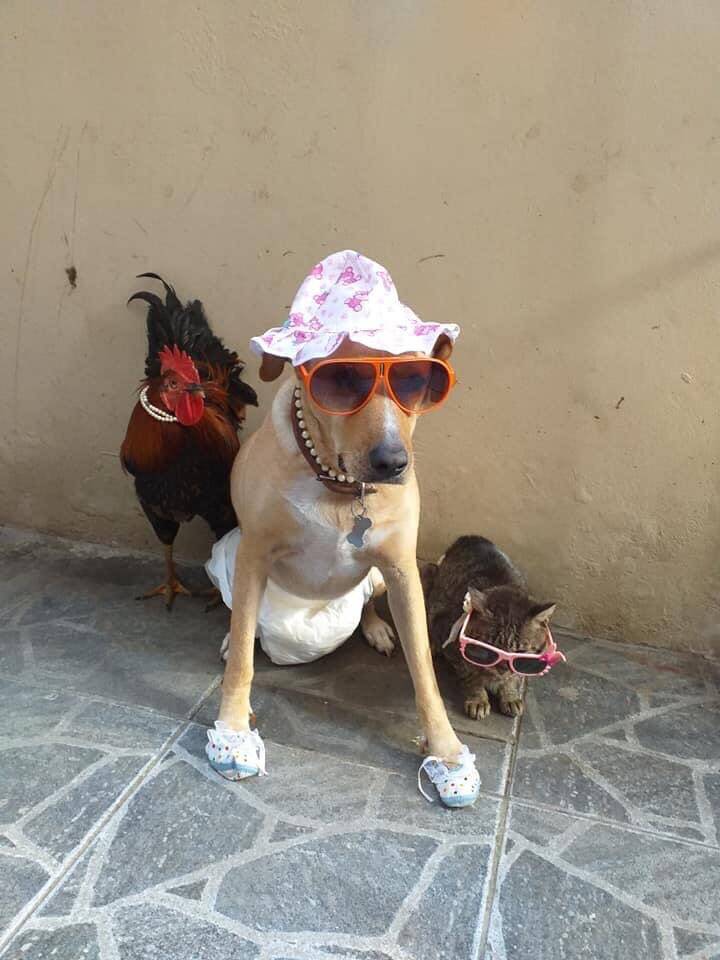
(507, 617)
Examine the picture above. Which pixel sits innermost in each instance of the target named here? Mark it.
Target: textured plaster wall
(546, 174)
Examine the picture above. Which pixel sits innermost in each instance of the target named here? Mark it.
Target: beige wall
(545, 173)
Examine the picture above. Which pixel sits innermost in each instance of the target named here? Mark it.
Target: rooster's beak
(195, 388)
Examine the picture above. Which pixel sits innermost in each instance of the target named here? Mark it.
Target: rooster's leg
(214, 598)
(213, 595)
(173, 584)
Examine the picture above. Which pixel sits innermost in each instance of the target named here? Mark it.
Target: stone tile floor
(596, 834)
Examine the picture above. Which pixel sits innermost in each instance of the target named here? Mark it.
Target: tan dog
(294, 529)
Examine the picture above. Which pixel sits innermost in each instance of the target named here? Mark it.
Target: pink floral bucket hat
(348, 295)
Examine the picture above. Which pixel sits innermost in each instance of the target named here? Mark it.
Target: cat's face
(507, 618)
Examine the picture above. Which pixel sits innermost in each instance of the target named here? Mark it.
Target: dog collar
(333, 480)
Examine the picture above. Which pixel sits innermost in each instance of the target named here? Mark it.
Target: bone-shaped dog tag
(357, 535)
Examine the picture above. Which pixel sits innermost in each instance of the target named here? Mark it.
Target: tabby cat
(503, 614)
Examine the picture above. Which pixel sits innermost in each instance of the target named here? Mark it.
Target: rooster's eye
(173, 384)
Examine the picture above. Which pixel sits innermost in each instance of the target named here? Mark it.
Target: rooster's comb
(173, 358)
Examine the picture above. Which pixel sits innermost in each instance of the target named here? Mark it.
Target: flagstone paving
(596, 834)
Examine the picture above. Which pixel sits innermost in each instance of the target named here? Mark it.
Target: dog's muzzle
(388, 462)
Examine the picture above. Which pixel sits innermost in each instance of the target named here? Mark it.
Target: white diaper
(293, 629)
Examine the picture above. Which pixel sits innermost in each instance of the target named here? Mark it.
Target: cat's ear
(428, 572)
(475, 601)
(541, 613)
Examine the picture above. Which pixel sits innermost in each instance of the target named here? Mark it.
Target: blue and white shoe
(235, 756)
(457, 784)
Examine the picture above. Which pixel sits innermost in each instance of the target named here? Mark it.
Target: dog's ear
(443, 347)
(271, 367)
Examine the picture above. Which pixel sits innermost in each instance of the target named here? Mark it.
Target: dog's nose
(388, 460)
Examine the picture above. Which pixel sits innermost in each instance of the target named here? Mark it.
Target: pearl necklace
(155, 412)
(329, 473)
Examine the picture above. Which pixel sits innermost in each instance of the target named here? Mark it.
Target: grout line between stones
(46, 684)
(491, 885)
(615, 824)
(130, 790)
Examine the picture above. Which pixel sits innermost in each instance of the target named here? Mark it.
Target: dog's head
(373, 445)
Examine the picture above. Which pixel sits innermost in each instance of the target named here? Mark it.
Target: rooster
(182, 436)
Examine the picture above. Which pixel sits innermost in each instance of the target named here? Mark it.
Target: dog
(299, 519)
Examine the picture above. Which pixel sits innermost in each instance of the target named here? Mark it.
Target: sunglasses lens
(419, 385)
(529, 666)
(342, 387)
(480, 655)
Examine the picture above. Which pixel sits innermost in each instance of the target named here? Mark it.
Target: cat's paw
(477, 707)
(511, 707)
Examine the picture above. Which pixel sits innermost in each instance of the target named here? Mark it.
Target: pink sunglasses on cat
(480, 654)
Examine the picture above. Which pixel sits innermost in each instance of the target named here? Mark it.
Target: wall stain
(205, 161)
(61, 142)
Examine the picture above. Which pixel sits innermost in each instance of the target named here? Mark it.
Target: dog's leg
(408, 609)
(248, 587)
(378, 634)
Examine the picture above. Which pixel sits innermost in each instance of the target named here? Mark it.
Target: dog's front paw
(379, 635)
(477, 707)
(225, 646)
(511, 707)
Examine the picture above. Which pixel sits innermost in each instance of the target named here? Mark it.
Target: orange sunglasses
(415, 384)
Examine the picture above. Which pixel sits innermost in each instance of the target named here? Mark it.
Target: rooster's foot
(169, 591)
(213, 595)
